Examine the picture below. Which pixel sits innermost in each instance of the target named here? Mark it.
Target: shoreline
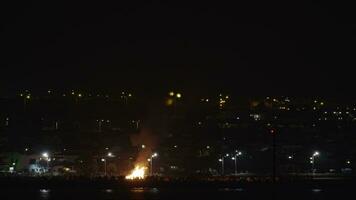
(154, 182)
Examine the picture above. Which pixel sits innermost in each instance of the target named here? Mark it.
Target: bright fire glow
(137, 173)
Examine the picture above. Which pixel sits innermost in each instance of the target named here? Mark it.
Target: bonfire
(137, 173)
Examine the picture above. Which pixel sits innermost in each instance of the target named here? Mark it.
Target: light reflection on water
(138, 190)
(143, 193)
(108, 190)
(44, 193)
(154, 190)
(317, 190)
(231, 190)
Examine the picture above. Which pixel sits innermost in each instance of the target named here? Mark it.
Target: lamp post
(222, 160)
(104, 160)
(151, 162)
(45, 155)
(312, 161)
(238, 153)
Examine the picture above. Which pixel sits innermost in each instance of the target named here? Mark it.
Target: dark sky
(248, 48)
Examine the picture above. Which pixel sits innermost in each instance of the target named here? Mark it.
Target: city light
(179, 95)
(171, 94)
(45, 155)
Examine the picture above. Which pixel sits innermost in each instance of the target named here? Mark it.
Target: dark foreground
(153, 189)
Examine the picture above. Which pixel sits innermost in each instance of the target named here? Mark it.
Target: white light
(45, 155)
(290, 157)
(110, 154)
(227, 155)
(348, 162)
(102, 160)
(154, 155)
(220, 160)
(233, 158)
(316, 153)
(143, 146)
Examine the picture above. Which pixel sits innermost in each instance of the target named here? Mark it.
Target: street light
(110, 155)
(222, 160)
(154, 155)
(104, 160)
(238, 153)
(45, 155)
(312, 160)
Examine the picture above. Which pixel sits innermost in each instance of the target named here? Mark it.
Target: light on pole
(154, 155)
(222, 165)
(238, 153)
(104, 160)
(222, 160)
(45, 155)
(312, 160)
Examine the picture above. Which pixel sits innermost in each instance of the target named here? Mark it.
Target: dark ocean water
(177, 193)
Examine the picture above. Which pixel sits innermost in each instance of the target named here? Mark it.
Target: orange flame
(137, 173)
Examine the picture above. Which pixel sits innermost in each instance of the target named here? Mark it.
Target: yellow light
(169, 102)
(28, 97)
(79, 95)
(171, 94)
(179, 95)
(137, 173)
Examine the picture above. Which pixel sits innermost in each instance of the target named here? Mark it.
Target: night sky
(245, 48)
